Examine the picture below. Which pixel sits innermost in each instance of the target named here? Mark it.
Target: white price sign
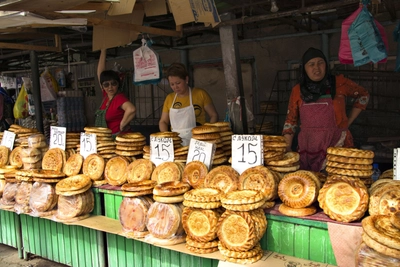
(8, 139)
(247, 152)
(58, 137)
(201, 151)
(161, 150)
(88, 144)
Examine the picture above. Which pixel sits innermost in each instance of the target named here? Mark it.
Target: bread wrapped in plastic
(37, 141)
(76, 205)
(22, 198)
(31, 158)
(368, 257)
(43, 198)
(9, 192)
(164, 220)
(133, 213)
(2, 185)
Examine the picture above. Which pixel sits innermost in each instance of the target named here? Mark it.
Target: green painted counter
(296, 237)
(68, 244)
(10, 230)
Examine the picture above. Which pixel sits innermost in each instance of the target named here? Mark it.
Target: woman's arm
(289, 141)
(129, 114)
(353, 115)
(101, 65)
(164, 122)
(212, 113)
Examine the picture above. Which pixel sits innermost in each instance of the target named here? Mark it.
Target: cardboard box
(121, 8)
(155, 8)
(194, 10)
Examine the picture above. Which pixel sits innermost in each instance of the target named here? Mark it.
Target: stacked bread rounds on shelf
(274, 147)
(130, 144)
(298, 192)
(225, 131)
(133, 216)
(382, 234)
(350, 162)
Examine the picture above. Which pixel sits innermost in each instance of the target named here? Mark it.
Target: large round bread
(115, 170)
(259, 178)
(133, 213)
(224, 178)
(73, 183)
(54, 159)
(194, 173)
(167, 172)
(288, 158)
(299, 212)
(378, 246)
(246, 196)
(93, 166)
(4, 155)
(139, 170)
(395, 219)
(203, 195)
(73, 165)
(351, 152)
(169, 189)
(15, 157)
(236, 230)
(297, 190)
(344, 199)
(385, 200)
(164, 220)
(200, 224)
(42, 197)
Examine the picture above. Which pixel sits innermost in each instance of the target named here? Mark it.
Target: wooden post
(37, 98)
(233, 75)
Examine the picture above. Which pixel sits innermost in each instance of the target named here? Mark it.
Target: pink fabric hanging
(345, 56)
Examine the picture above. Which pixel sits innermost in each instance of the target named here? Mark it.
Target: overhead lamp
(274, 6)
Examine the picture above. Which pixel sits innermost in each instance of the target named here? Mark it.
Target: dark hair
(177, 70)
(109, 75)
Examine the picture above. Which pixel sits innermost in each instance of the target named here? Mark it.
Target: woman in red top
(116, 111)
(319, 103)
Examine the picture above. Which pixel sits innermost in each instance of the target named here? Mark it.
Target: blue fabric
(396, 36)
(365, 40)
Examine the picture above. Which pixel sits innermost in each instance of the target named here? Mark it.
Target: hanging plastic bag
(235, 112)
(28, 89)
(396, 36)
(20, 109)
(345, 52)
(48, 86)
(147, 65)
(366, 41)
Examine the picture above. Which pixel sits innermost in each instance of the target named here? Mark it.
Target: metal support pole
(37, 98)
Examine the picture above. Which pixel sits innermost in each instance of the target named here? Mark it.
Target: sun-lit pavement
(9, 258)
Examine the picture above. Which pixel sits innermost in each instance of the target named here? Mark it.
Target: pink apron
(318, 132)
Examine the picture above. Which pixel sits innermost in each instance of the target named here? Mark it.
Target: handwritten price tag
(88, 144)
(201, 151)
(247, 152)
(58, 136)
(161, 150)
(8, 139)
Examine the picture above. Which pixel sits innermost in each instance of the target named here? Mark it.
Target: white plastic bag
(146, 64)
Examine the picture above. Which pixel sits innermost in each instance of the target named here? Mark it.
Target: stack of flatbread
(274, 147)
(262, 179)
(167, 172)
(366, 256)
(170, 192)
(72, 140)
(164, 224)
(382, 234)
(137, 189)
(7, 200)
(351, 162)
(298, 192)
(226, 133)
(194, 174)
(54, 159)
(180, 154)
(200, 217)
(38, 140)
(130, 144)
(75, 199)
(224, 178)
(133, 216)
(344, 199)
(243, 200)
(31, 158)
(265, 127)
(22, 198)
(212, 134)
(4, 155)
(105, 142)
(239, 234)
(43, 199)
(93, 167)
(290, 162)
(384, 197)
(115, 170)
(21, 134)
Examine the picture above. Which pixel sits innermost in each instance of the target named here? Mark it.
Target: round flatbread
(139, 170)
(194, 174)
(53, 159)
(73, 183)
(97, 130)
(16, 157)
(93, 166)
(4, 155)
(224, 178)
(73, 165)
(115, 170)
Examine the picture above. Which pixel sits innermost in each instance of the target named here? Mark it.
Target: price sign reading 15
(8, 139)
(58, 136)
(88, 144)
(201, 151)
(247, 152)
(161, 150)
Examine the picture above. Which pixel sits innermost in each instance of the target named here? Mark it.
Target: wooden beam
(42, 5)
(56, 48)
(133, 27)
(313, 8)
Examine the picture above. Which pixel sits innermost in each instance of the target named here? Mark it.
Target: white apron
(183, 120)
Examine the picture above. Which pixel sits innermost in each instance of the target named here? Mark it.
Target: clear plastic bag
(133, 213)
(69, 207)
(10, 190)
(22, 198)
(164, 220)
(37, 141)
(43, 198)
(367, 257)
